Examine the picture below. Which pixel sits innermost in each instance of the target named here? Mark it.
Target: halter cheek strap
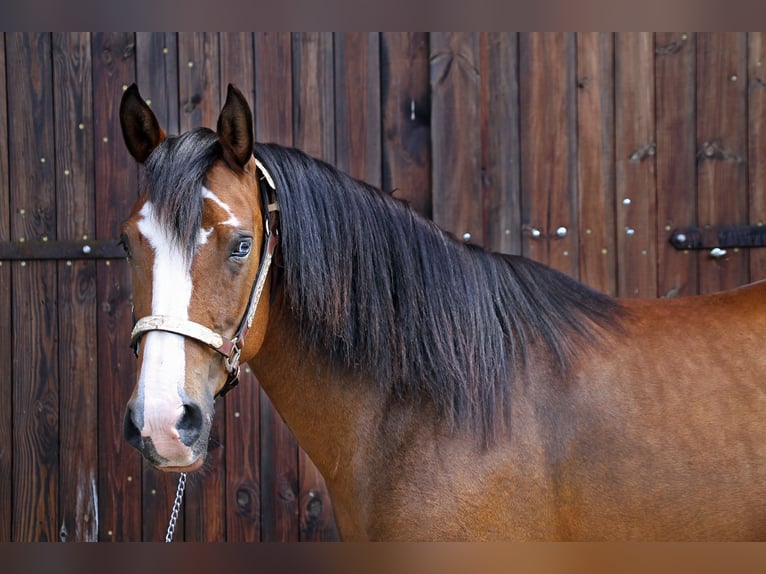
(229, 348)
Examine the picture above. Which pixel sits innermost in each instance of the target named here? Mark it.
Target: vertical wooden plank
(501, 152)
(243, 504)
(157, 78)
(75, 192)
(675, 70)
(314, 133)
(199, 96)
(273, 116)
(548, 152)
(357, 105)
(6, 343)
(595, 160)
(116, 186)
(456, 134)
(406, 108)
(35, 344)
(756, 144)
(635, 149)
(157, 75)
(722, 150)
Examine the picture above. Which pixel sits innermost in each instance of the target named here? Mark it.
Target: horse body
(444, 393)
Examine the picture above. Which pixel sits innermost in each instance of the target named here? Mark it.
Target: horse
(444, 392)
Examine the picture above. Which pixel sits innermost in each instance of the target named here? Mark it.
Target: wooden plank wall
(580, 150)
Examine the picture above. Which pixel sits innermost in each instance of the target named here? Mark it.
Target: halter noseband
(229, 348)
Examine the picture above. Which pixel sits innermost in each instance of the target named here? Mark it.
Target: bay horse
(443, 391)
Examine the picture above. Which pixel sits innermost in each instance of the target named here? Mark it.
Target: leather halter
(230, 349)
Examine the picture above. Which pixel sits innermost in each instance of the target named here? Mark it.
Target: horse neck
(333, 415)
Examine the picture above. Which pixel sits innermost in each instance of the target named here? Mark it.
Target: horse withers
(444, 392)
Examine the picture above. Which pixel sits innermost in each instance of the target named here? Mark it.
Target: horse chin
(188, 468)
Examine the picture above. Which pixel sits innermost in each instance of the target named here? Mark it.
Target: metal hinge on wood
(69, 250)
(718, 236)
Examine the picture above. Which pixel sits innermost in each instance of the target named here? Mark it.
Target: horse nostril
(190, 424)
(131, 430)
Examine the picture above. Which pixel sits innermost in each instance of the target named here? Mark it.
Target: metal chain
(176, 507)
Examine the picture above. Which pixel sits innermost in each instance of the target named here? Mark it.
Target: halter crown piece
(229, 348)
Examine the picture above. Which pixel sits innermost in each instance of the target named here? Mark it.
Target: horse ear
(235, 127)
(140, 127)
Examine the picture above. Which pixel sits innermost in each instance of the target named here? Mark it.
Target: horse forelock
(386, 291)
(174, 179)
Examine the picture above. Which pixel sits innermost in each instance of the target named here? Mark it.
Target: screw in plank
(466, 236)
(536, 232)
(561, 231)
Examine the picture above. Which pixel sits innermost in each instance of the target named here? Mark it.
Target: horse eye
(242, 248)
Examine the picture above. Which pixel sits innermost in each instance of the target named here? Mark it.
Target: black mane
(386, 291)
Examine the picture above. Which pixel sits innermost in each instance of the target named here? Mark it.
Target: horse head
(193, 240)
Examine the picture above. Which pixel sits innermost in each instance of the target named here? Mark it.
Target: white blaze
(164, 363)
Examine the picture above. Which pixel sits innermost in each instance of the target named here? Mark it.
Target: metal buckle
(232, 361)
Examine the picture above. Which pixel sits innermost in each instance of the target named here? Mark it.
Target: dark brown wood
(69, 249)
(406, 109)
(242, 447)
(721, 236)
(6, 343)
(119, 475)
(595, 160)
(279, 451)
(635, 151)
(357, 105)
(456, 134)
(501, 151)
(31, 160)
(722, 150)
(78, 438)
(314, 132)
(200, 98)
(548, 152)
(675, 65)
(756, 143)
(157, 77)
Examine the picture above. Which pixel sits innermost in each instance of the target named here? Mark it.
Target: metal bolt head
(561, 231)
(717, 252)
(681, 238)
(536, 233)
(86, 249)
(466, 236)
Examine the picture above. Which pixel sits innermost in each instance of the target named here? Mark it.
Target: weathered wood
(6, 343)
(675, 64)
(501, 152)
(200, 98)
(157, 77)
(406, 109)
(31, 160)
(595, 160)
(722, 193)
(314, 132)
(357, 105)
(548, 153)
(69, 249)
(119, 475)
(273, 116)
(242, 424)
(635, 151)
(756, 143)
(78, 438)
(456, 134)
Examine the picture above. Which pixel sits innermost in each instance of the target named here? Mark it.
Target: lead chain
(176, 507)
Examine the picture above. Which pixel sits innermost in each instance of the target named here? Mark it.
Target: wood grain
(595, 160)
(406, 109)
(635, 153)
(722, 150)
(456, 134)
(548, 152)
(756, 143)
(119, 476)
(6, 343)
(675, 70)
(31, 161)
(77, 302)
